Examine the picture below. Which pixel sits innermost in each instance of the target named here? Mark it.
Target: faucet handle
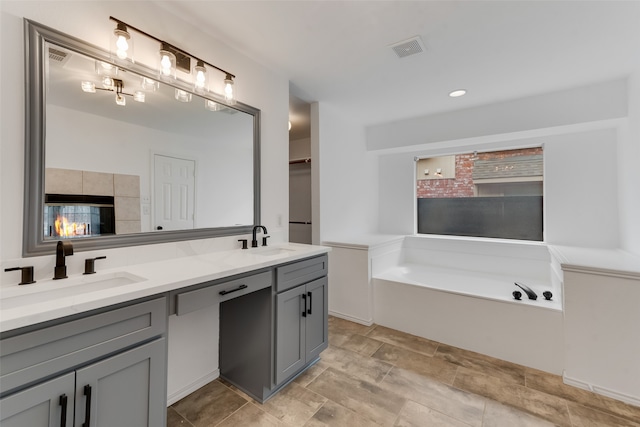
(27, 274)
(244, 243)
(90, 264)
(264, 240)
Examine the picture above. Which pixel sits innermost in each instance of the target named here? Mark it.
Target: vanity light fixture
(115, 85)
(172, 59)
(123, 42)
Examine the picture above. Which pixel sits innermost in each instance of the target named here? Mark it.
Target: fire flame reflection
(66, 229)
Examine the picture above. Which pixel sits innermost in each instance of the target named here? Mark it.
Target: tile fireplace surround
(125, 189)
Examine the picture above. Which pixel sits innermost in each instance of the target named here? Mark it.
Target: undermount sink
(50, 289)
(273, 251)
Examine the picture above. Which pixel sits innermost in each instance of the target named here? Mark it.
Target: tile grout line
(182, 416)
(231, 414)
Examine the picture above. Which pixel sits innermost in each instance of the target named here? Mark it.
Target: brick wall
(462, 184)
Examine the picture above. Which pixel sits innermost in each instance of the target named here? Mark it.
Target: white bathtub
(474, 284)
(474, 311)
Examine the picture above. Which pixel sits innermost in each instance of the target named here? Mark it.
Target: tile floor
(376, 376)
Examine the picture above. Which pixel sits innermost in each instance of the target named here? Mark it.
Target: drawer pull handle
(310, 302)
(63, 415)
(304, 311)
(87, 408)
(239, 288)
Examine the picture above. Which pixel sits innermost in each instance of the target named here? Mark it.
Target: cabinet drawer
(44, 352)
(300, 272)
(186, 302)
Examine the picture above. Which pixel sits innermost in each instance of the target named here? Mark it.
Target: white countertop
(49, 299)
(611, 262)
(364, 242)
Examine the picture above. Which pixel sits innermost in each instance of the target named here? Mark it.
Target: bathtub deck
(473, 284)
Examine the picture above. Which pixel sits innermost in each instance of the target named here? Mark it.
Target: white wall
(258, 87)
(347, 186)
(629, 172)
(581, 169)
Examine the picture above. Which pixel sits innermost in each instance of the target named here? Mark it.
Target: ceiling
(338, 52)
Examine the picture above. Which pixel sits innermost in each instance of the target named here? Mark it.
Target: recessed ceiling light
(457, 93)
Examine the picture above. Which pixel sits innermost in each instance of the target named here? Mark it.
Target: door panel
(40, 405)
(126, 389)
(174, 194)
(316, 330)
(290, 333)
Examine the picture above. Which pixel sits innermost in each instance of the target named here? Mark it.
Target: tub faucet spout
(532, 295)
(63, 249)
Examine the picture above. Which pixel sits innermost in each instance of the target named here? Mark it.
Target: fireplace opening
(77, 216)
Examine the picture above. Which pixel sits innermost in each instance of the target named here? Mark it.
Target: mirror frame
(33, 244)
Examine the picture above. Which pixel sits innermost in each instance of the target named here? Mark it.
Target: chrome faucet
(63, 249)
(254, 241)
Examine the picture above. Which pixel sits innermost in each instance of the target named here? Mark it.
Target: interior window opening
(497, 194)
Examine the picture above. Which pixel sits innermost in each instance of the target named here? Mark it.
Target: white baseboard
(351, 318)
(190, 388)
(632, 400)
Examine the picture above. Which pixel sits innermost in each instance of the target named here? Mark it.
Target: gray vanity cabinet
(301, 316)
(108, 368)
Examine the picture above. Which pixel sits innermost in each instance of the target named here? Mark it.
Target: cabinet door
(127, 389)
(45, 405)
(290, 332)
(316, 319)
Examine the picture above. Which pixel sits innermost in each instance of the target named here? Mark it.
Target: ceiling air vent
(408, 47)
(58, 55)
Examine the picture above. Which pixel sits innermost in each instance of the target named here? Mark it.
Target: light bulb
(88, 87)
(107, 83)
(167, 68)
(122, 46)
(166, 65)
(123, 42)
(228, 89)
(200, 80)
(120, 99)
(138, 96)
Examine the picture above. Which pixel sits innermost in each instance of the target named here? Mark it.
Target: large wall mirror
(168, 165)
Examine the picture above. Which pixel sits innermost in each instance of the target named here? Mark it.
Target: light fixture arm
(162, 42)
